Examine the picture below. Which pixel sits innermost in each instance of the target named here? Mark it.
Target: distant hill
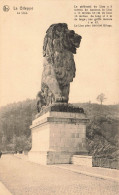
(102, 130)
(93, 110)
(15, 120)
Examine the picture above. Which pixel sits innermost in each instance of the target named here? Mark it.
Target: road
(25, 178)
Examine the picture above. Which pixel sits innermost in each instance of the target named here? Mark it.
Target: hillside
(102, 130)
(15, 120)
(93, 110)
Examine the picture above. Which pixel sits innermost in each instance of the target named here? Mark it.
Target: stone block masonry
(57, 136)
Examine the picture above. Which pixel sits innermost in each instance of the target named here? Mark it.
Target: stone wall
(105, 162)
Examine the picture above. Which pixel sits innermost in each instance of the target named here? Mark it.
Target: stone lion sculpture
(60, 44)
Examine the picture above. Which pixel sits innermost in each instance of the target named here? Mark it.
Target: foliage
(102, 136)
(102, 131)
(101, 98)
(15, 120)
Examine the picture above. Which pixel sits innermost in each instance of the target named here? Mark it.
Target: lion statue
(60, 44)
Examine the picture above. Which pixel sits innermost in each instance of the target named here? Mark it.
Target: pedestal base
(49, 158)
(57, 136)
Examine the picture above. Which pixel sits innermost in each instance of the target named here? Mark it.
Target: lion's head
(58, 38)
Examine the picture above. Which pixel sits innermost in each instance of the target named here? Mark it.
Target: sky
(21, 60)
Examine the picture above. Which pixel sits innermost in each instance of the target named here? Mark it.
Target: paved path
(4, 190)
(26, 178)
(98, 172)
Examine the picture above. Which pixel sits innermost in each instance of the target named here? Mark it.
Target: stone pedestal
(58, 134)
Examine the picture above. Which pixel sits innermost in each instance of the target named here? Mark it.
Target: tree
(101, 98)
(15, 120)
